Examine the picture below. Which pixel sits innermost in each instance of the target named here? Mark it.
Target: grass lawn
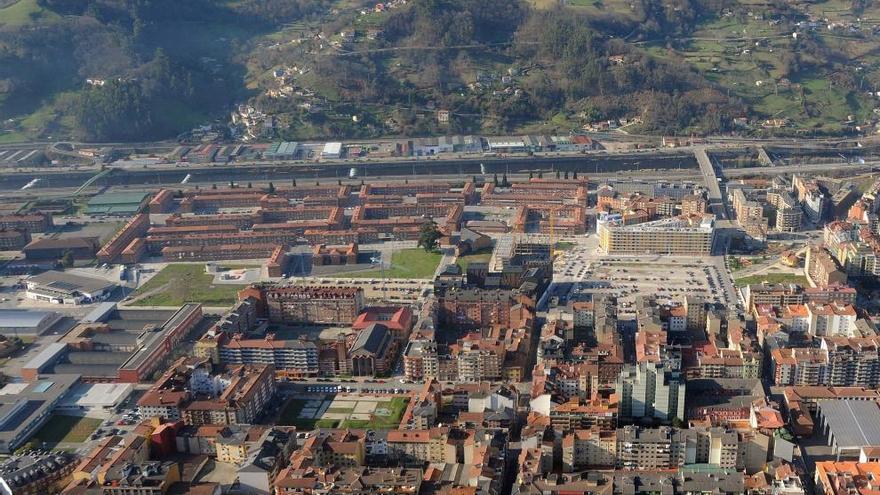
(23, 12)
(290, 415)
(773, 278)
(67, 429)
(482, 256)
(186, 282)
(396, 406)
(406, 263)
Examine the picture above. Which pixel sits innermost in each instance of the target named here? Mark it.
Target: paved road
(716, 200)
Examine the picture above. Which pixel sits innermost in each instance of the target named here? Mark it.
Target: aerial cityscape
(439, 247)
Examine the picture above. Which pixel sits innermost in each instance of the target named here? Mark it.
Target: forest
(138, 70)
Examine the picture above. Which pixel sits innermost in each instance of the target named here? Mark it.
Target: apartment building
(799, 366)
(473, 308)
(421, 446)
(579, 414)
(833, 319)
(688, 236)
(822, 269)
(235, 396)
(136, 227)
(663, 448)
(546, 220)
(289, 358)
(693, 204)
(30, 222)
(651, 390)
(747, 209)
(846, 477)
(813, 200)
(192, 391)
(421, 360)
(788, 212)
(312, 304)
(852, 362)
(339, 448)
(479, 359)
(536, 191)
(772, 295)
(594, 448)
(351, 481)
(650, 449)
(727, 363)
(14, 240)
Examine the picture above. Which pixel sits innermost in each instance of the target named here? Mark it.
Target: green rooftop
(117, 203)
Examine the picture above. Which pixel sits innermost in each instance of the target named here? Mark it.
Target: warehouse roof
(22, 318)
(68, 282)
(854, 423)
(118, 198)
(118, 202)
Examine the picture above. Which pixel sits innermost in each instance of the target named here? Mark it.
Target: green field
(66, 429)
(181, 283)
(290, 416)
(23, 12)
(396, 406)
(406, 263)
(773, 278)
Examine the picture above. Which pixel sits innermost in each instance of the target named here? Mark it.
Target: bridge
(91, 181)
(764, 157)
(707, 170)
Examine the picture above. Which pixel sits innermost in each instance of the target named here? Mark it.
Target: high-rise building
(651, 390)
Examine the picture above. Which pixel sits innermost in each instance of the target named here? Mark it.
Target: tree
(566, 175)
(293, 183)
(429, 234)
(557, 174)
(231, 184)
(574, 175)
(531, 175)
(213, 186)
(540, 174)
(495, 180)
(678, 422)
(250, 186)
(504, 181)
(67, 259)
(339, 182)
(271, 188)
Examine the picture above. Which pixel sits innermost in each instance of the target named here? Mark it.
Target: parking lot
(670, 278)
